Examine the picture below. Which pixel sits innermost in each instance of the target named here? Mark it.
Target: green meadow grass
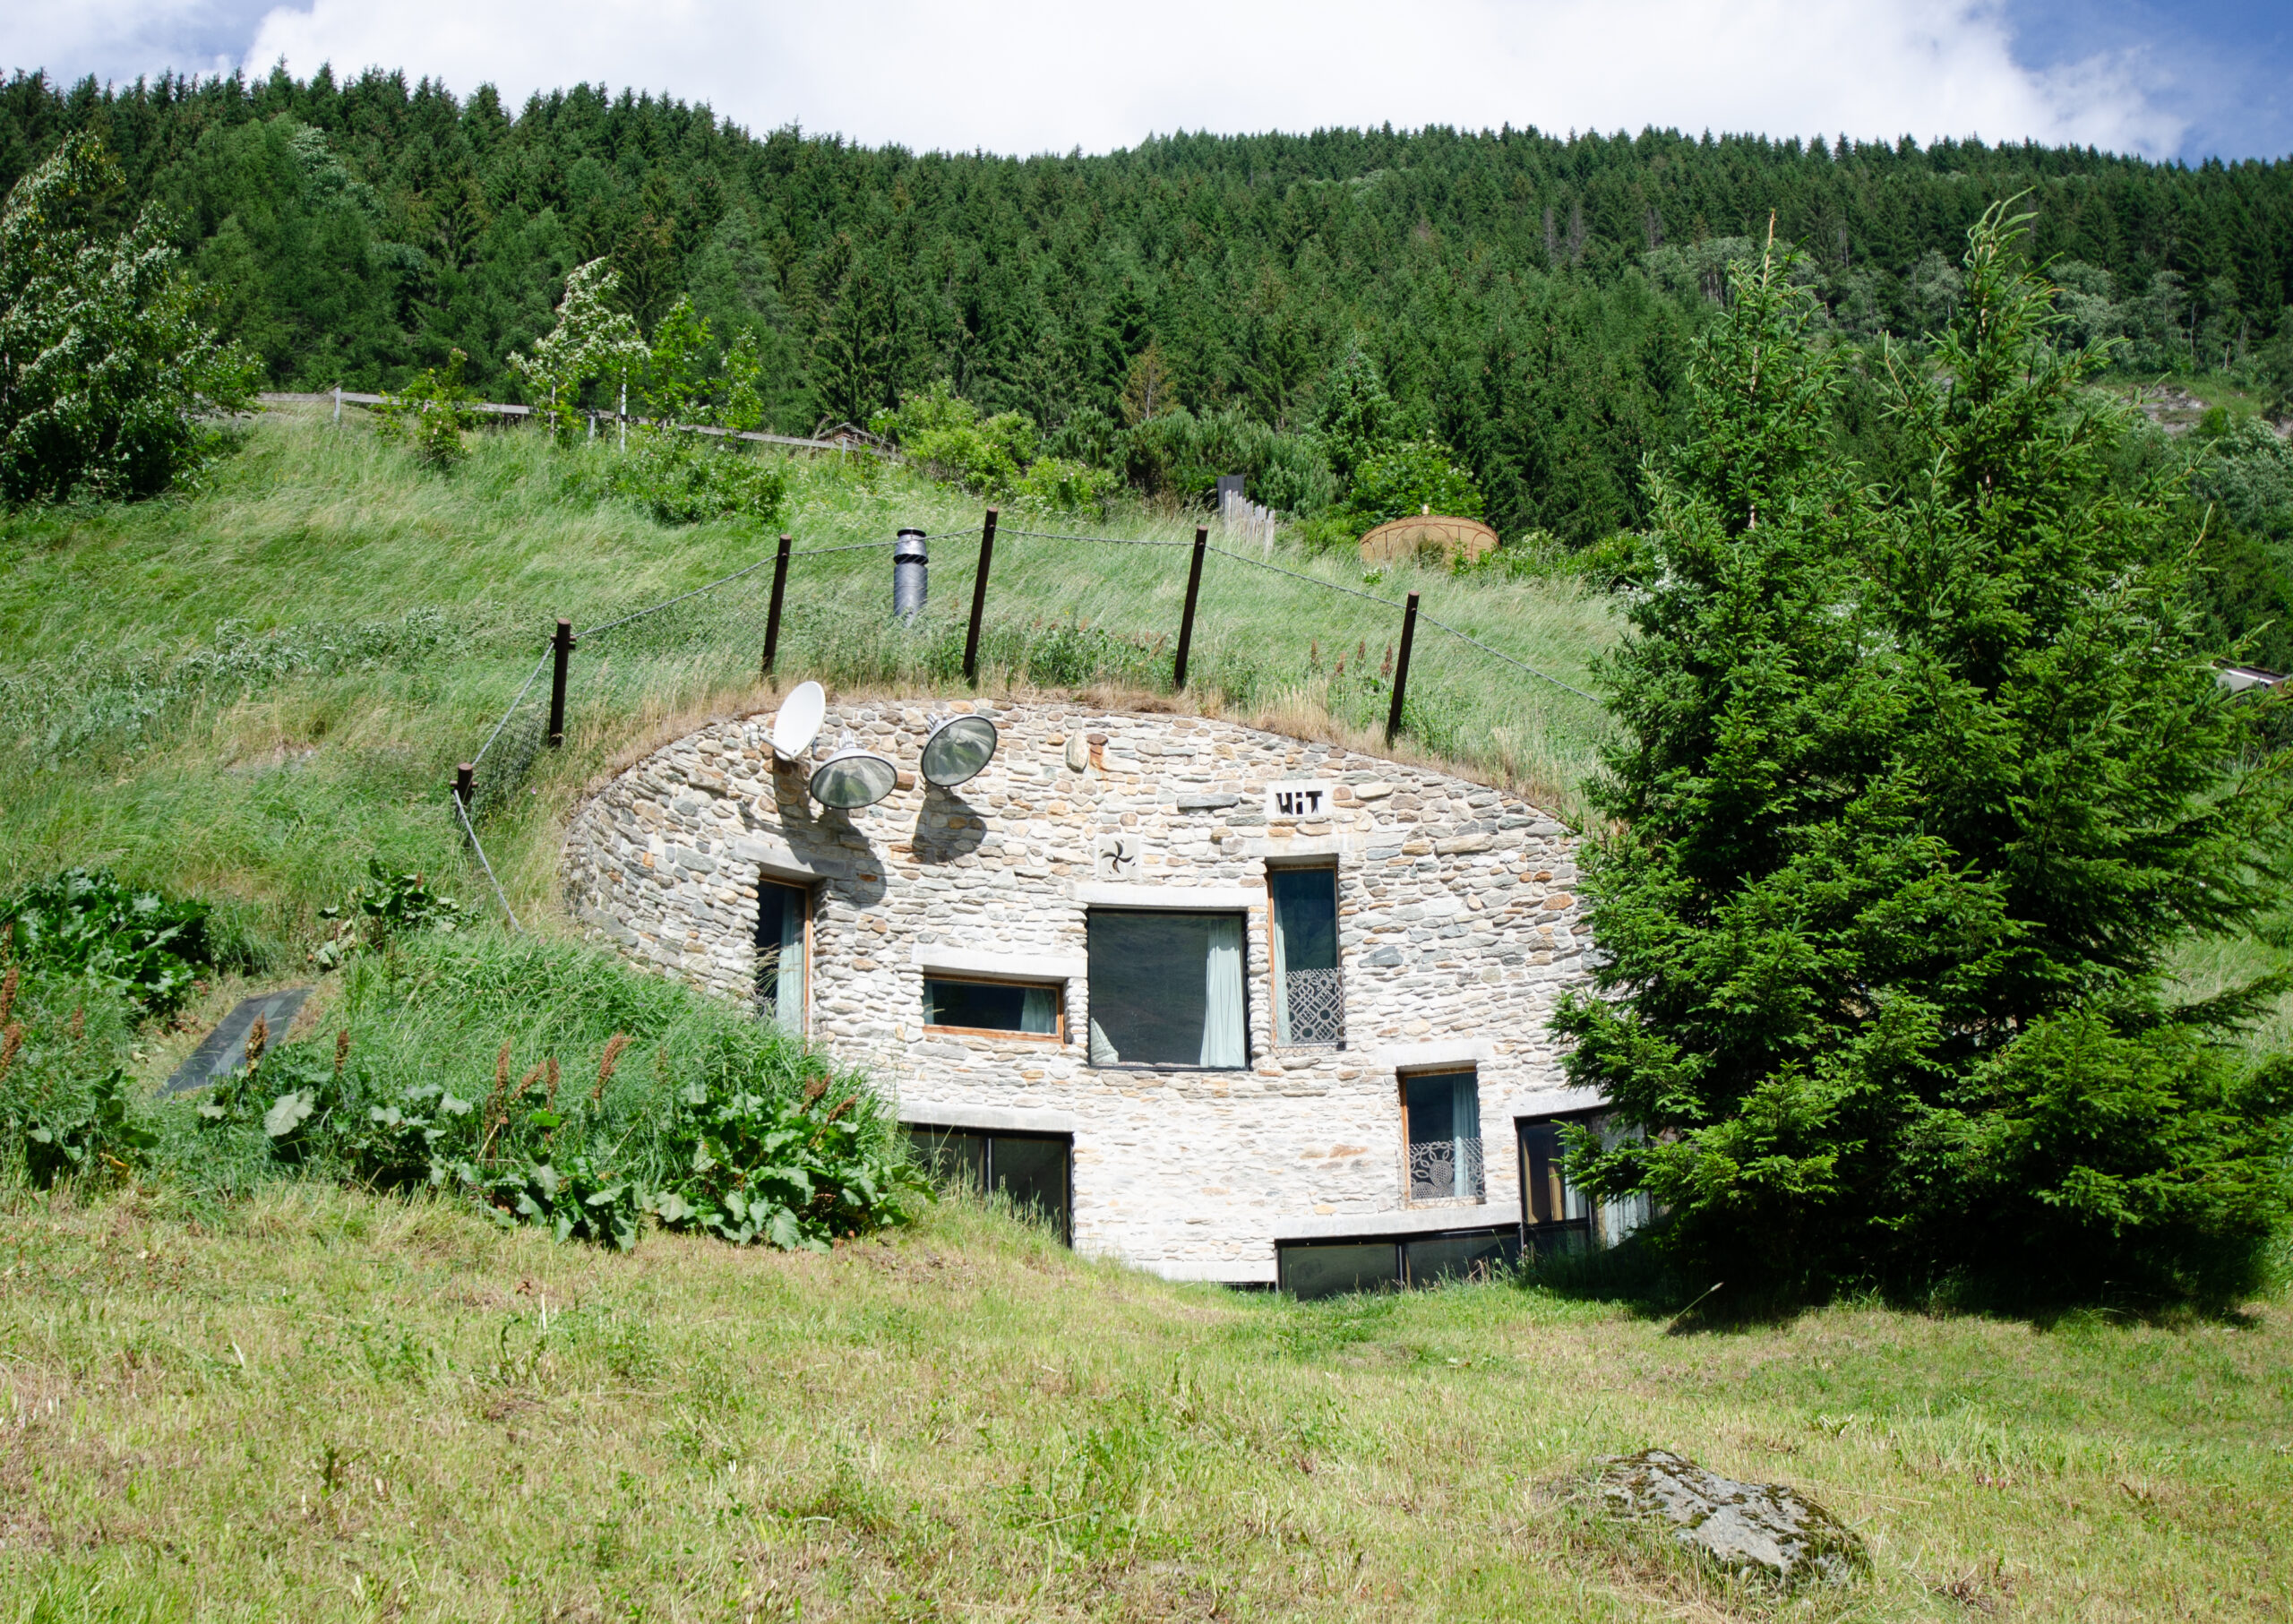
(321, 1406)
(248, 690)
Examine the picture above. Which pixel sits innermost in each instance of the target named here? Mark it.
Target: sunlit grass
(248, 691)
(322, 1405)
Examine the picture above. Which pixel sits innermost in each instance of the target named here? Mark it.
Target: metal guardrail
(341, 398)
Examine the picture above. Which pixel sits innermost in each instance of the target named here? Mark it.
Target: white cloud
(1028, 76)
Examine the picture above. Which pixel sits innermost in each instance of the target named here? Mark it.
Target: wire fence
(595, 685)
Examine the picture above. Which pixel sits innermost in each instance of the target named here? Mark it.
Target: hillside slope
(327, 1406)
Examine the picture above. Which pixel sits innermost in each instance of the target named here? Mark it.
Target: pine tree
(1919, 788)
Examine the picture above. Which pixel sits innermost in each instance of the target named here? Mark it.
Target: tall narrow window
(1309, 996)
(1166, 989)
(1444, 1111)
(1546, 1197)
(781, 911)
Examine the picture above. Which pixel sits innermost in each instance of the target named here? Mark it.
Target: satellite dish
(958, 749)
(851, 779)
(799, 721)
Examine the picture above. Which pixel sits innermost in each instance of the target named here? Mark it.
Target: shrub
(87, 924)
(107, 372)
(685, 478)
(430, 414)
(638, 1100)
(1413, 476)
(590, 340)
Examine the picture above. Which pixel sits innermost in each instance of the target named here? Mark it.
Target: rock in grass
(1767, 1530)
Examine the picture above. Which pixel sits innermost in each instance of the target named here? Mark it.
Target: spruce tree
(1918, 789)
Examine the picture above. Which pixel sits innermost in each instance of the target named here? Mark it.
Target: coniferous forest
(1527, 301)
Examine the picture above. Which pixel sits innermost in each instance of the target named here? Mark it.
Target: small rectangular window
(1444, 1112)
(1308, 993)
(1017, 1009)
(1166, 989)
(782, 913)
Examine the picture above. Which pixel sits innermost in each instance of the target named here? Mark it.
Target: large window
(1555, 1214)
(782, 912)
(1004, 1008)
(1166, 989)
(1444, 1112)
(1308, 997)
(1029, 1169)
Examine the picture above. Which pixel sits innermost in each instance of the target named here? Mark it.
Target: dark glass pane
(951, 1156)
(1150, 1000)
(1305, 904)
(1433, 1113)
(1033, 1173)
(990, 1006)
(1350, 1266)
(1459, 1257)
(1540, 1169)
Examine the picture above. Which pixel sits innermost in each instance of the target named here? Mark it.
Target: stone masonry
(1458, 926)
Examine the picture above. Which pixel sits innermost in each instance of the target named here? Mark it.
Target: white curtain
(1281, 972)
(1037, 1012)
(1102, 1051)
(788, 991)
(1224, 1042)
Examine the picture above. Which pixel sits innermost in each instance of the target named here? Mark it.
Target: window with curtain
(781, 911)
(1444, 1119)
(1166, 989)
(1025, 1009)
(1308, 997)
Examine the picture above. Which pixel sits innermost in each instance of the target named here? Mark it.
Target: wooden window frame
(808, 890)
(1056, 1038)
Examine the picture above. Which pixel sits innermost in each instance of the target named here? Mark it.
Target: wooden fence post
(772, 614)
(979, 598)
(1186, 621)
(1401, 667)
(463, 775)
(562, 647)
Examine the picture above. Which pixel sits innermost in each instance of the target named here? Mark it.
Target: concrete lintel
(780, 860)
(1401, 1221)
(980, 961)
(937, 1113)
(1195, 897)
(1554, 1102)
(1439, 1052)
(1304, 849)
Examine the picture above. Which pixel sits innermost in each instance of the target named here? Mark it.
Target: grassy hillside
(261, 1396)
(247, 691)
(320, 1407)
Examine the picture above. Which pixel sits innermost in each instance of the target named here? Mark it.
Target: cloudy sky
(1028, 76)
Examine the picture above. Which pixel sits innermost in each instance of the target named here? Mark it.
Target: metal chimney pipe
(911, 575)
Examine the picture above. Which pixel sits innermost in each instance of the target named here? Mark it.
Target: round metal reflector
(853, 779)
(959, 747)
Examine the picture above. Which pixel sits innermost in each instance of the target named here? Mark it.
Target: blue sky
(1032, 76)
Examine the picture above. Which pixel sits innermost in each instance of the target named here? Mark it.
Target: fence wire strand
(1259, 564)
(529, 738)
(499, 895)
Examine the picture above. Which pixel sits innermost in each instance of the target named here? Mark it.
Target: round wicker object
(1421, 535)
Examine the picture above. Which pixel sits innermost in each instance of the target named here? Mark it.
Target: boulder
(1765, 1530)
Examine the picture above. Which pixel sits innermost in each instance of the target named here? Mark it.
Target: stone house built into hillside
(1228, 1005)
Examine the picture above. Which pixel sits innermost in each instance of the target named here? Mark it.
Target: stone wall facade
(1459, 927)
